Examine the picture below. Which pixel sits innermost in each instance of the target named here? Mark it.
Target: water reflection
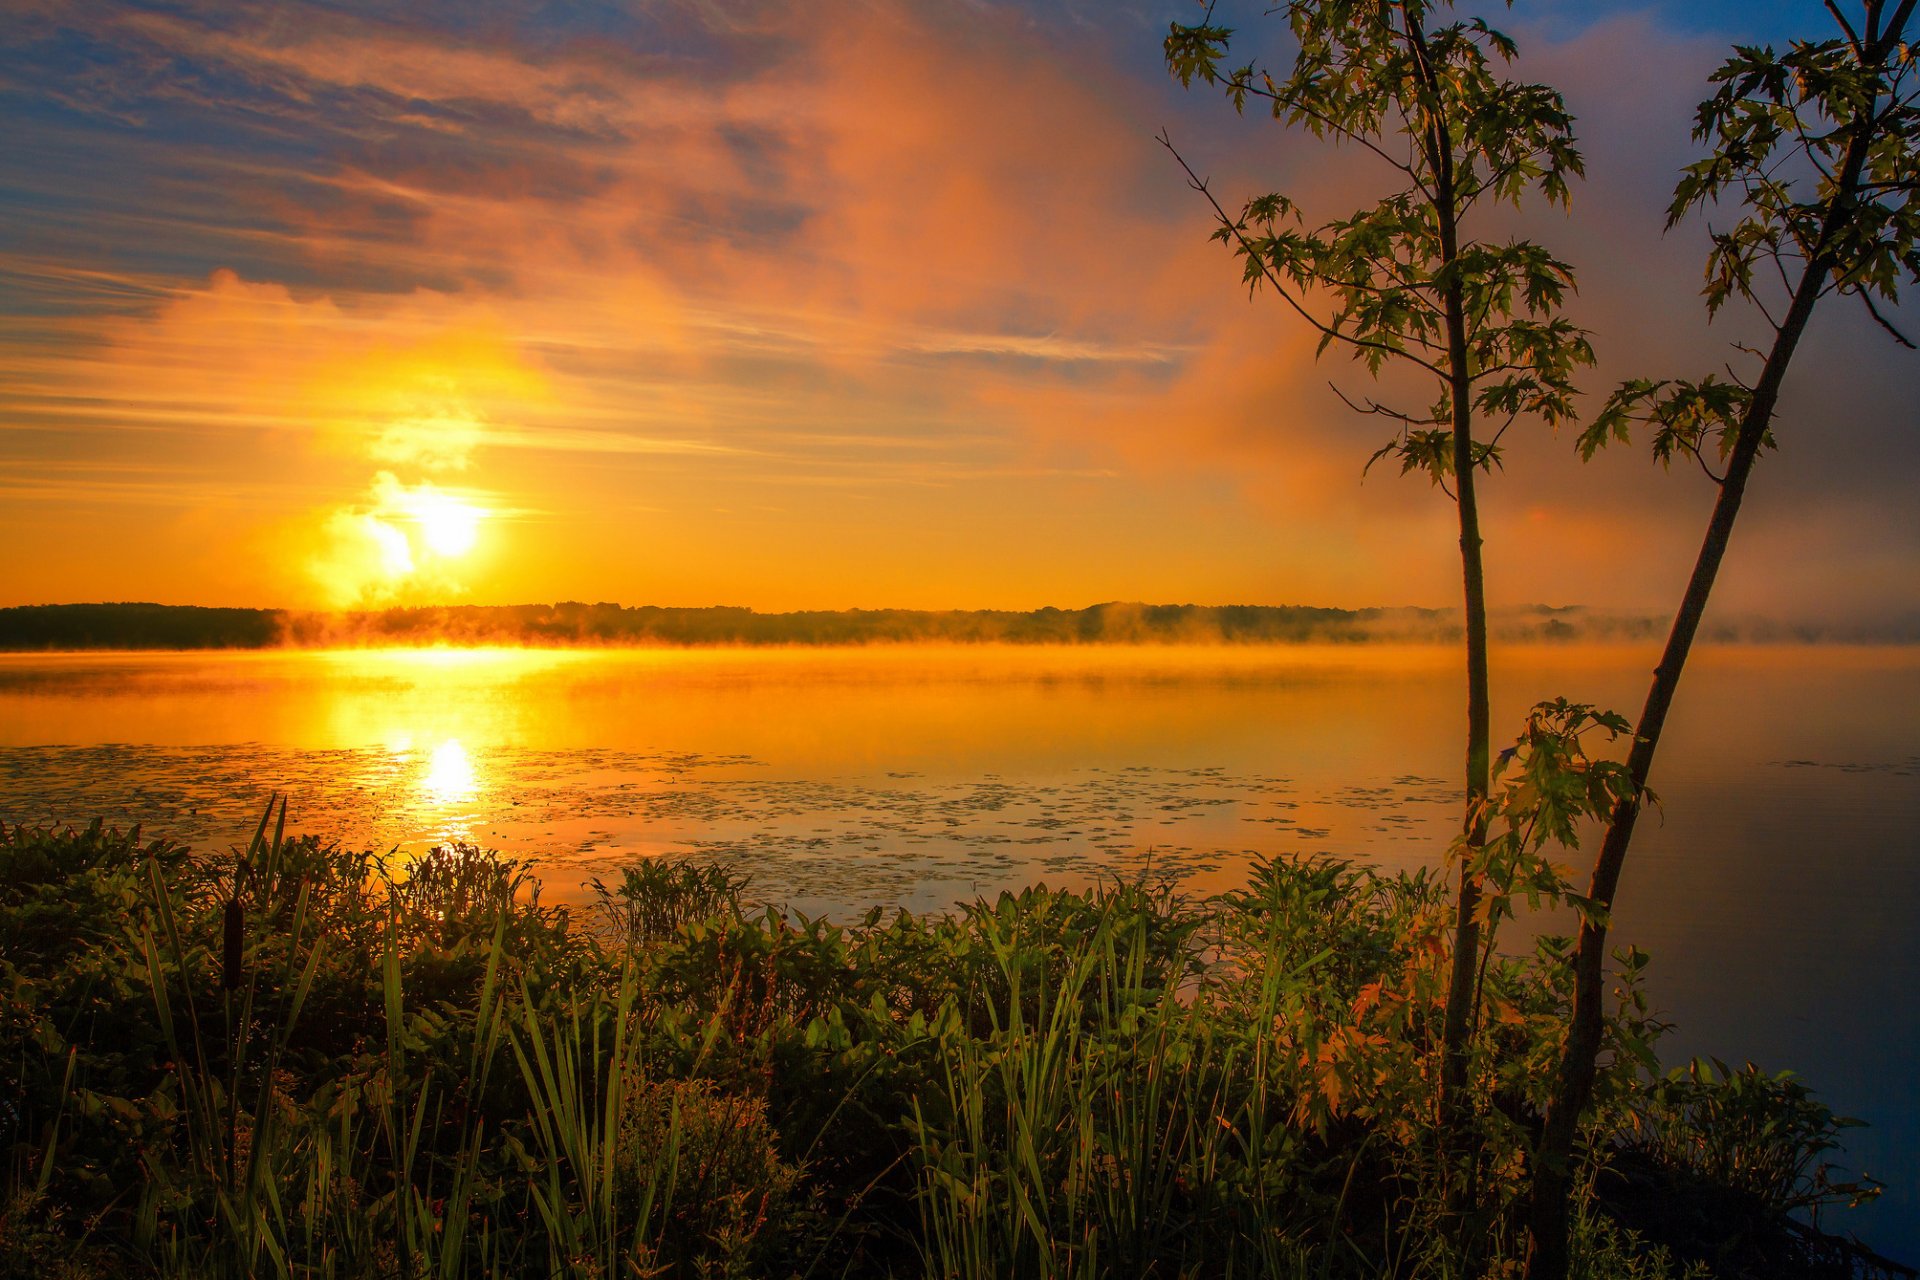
(450, 778)
(914, 776)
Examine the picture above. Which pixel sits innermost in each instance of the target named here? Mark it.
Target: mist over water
(1776, 892)
(572, 624)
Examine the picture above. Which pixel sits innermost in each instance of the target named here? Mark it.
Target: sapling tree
(1817, 151)
(1411, 283)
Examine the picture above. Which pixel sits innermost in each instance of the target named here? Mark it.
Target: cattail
(236, 923)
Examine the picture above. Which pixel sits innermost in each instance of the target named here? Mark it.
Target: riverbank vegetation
(60, 627)
(294, 1063)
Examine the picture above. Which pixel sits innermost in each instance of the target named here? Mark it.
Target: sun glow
(448, 526)
(402, 542)
(450, 777)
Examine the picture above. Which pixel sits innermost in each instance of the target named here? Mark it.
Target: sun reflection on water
(450, 777)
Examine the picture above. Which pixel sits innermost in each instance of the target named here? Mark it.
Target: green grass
(432, 1074)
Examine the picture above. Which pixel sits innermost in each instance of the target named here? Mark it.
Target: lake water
(1779, 895)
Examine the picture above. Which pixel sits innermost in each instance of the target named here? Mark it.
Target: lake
(1778, 894)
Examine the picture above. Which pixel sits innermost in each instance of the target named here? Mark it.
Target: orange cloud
(886, 300)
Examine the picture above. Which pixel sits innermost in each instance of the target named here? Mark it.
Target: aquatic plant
(430, 1074)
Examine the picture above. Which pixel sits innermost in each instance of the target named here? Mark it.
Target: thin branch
(1390, 265)
(1496, 176)
(1785, 283)
(1375, 408)
(1502, 431)
(1480, 977)
(1281, 100)
(1853, 37)
(1885, 323)
(1485, 309)
(1847, 281)
(1399, 283)
(1694, 449)
(1760, 303)
(1510, 366)
(1433, 124)
(1808, 149)
(1199, 184)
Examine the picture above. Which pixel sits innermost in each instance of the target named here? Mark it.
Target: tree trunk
(1549, 1225)
(1466, 923)
(1456, 1024)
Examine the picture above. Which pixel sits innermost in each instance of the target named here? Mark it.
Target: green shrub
(659, 896)
(1761, 1136)
(729, 1197)
(436, 1075)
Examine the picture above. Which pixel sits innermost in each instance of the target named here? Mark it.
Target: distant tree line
(156, 626)
(137, 626)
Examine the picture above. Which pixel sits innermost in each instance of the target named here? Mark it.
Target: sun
(403, 539)
(448, 527)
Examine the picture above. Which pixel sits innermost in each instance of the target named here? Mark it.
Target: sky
(817, 304)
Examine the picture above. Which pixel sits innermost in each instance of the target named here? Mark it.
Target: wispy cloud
(927, 262)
